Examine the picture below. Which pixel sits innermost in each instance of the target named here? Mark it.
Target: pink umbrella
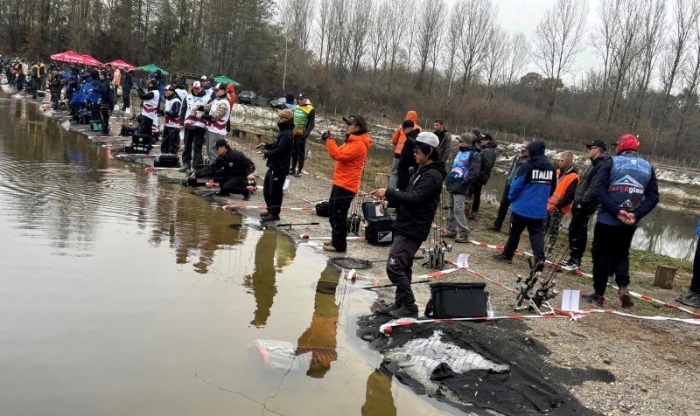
(68, 56)
(118, 63)
(89, 60)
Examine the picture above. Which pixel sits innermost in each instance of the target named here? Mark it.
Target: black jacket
(416, 205)
(408, 159)
(56, 85)
(232, 164)
(127, 82)
(488, 160)
(106, 92)
(279, 152)
(584, 192)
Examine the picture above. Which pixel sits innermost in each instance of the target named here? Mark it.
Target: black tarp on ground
(531, 387)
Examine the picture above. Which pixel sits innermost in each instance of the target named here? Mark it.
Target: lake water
(122, 295)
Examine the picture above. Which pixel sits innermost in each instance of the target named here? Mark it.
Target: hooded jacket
(488, 160)
(533, 184)
(398, 139)
(445, 145)
(407, 159)
(232, 164)
(584, 191)
(416, 205)
(279, 152)
(465, 171)
(350, 160)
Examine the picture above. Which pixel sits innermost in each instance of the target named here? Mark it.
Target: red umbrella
(89, 60)
(68, 56)
(118, 63)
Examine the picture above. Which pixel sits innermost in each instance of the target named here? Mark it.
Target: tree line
(383, 57)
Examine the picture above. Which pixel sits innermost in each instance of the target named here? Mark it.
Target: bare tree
(377, 36)
(357, 32)
(685, 17)
(478, 19)
(690, 90)
(453, 37)
(557, 40)
(396, 31)
(517, 57)
(323, 23)
(496, 51)
(429, 34)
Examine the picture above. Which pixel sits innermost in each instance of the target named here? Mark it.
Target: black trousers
(104, 117)
(126, 98)
(272, 191)
(171, 140)
(578, 233)
(236, 186)
(611, 255)
(695, 282)
(55, 99)
(194, 141)
(476, 190)
(502, 208)
(399, 268)
(518, 223)
(338, 207)
(298, 153)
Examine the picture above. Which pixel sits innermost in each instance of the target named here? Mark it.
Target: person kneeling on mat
(231, 169)
(416, 208)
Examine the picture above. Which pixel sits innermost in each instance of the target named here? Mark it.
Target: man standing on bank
(416, 208)
(518, 161)
(350, 160)
(627, 190)
(529, 193)
(277, 155)
(304, 122)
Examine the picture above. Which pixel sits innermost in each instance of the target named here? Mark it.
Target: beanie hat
(286, 113)
(407, 124)
(627, 142)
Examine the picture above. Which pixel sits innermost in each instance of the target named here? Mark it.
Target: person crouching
(233, 170)
(416, 208)
(350, 160)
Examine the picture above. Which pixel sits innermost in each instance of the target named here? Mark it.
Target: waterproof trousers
(171, 140)
(578, 233)
(273, 190)
(611, 255)
(518, 223)
(192, 154)
(338, 207)
(399, 268)
(298, 154)
(235, 185)
(695, 282)
(476, 191)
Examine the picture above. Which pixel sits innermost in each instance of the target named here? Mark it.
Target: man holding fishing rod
(416, 208)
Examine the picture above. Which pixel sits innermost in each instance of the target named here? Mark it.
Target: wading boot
(405, 311)
(595, 299)
(386, 310)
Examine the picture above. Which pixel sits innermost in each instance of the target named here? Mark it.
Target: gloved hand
(326, 135)
(206, 117)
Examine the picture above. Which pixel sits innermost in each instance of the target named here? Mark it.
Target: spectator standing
(559, 204)
(289, 101)
(488, 160)
(465, 172)
(106, 103)
(585, 203)
(693, 296)
(529, 194)
(277, 155)
(397, 140)
(445, 138)
(350, 160)
(407, 163)
(416, 208)
(627, 191)
(518, 161)
(304, 122)
(127, 85)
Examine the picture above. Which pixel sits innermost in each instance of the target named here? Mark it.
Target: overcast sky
(524, 15)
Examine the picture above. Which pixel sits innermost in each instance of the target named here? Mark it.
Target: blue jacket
(697, 230)
(465, 171)
(533, 184)
(628, 182)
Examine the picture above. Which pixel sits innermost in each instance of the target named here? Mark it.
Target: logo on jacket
(541, 176)
(230, 164)
(626, 185)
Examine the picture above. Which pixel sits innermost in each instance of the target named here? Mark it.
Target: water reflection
(320, 337)
(378, 398)
(262, 281)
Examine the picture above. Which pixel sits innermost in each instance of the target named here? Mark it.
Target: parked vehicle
(247, 97)
(279, 103)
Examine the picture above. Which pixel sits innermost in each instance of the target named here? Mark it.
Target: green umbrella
(223, 78)
(153, 68)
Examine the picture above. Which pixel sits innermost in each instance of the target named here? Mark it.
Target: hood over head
(412, 115)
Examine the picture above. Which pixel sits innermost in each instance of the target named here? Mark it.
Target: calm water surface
(120, 295)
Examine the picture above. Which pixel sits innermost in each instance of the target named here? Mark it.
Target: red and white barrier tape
(264, 208)
(388, 328)
(692, 321)
(309, 237)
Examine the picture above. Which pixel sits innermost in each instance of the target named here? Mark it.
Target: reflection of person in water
(319, 337)
(262, 281)
(378, 398)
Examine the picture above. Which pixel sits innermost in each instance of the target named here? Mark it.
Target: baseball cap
(169, 88)
(302, 95)
(598, 143)
(196, 84)
(221, 86)
(357, 120)
(466, 138)
(523, 147)
(477, 133)
(203, 78)
(221, 143)
(428, 138)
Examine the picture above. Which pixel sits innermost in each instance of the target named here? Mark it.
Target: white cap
(428, 138)
(204, 78)
(196, 84)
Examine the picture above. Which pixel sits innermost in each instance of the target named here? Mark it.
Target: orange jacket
(231, 92)
(563, 184)
(349, 160)
(399, 138)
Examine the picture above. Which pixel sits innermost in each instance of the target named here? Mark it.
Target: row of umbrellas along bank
(76, 58)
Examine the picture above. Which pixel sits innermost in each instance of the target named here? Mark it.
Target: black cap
(358, 120)
(302, 95)
(598, 143)
(221, 143)
(408, 124)
(477, 133)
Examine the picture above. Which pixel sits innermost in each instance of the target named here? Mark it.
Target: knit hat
(286, 113)
(477, 133)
